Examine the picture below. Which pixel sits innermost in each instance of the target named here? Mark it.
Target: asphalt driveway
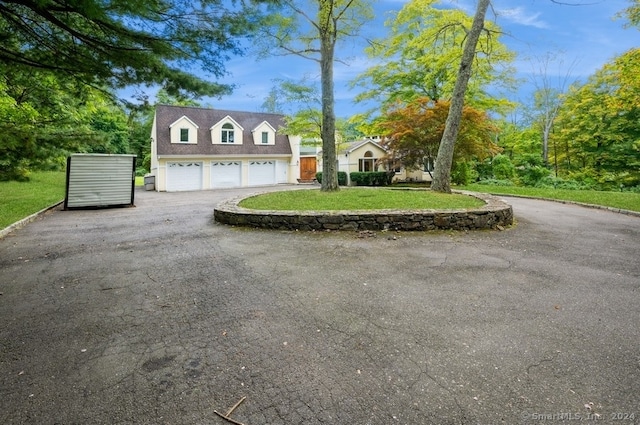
(158, 315)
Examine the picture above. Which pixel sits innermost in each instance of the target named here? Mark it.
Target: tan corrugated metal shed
(100, 181)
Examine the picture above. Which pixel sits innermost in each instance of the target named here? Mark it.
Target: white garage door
(184, 176)
(262, 172)
(226, 174)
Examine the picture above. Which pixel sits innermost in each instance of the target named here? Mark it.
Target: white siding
(282, 175)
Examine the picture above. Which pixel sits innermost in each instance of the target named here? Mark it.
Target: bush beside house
(342, 178)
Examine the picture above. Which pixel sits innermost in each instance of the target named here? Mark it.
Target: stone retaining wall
(493, 214)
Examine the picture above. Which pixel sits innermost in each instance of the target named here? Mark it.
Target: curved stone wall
(494, 214)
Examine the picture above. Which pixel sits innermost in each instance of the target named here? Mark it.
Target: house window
(367, 164)
(227, 133)
(184, 135)
(265, 137)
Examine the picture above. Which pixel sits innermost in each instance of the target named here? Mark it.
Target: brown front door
(307, 168)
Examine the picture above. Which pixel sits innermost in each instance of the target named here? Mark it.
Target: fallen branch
(230, 411)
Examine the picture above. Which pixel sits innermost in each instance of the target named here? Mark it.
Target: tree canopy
(420, 58)
(598, 133)
(118, 43)
(44, 118)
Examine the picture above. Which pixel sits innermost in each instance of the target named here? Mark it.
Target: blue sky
(582, 38)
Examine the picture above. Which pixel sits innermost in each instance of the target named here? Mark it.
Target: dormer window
(227, 135)
(184, 130)
(184, 135)
(227, 131)
(264, 134)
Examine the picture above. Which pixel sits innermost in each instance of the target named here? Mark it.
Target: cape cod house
(364, 155)
(361, 155)
(200, 148)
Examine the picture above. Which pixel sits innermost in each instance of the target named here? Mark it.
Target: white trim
(257, 133)
(216, 132)
(262, 124)
(184, 117)
(226, 120)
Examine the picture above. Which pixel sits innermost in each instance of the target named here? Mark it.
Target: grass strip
(622, 200)
(21, 199)
(359, 199)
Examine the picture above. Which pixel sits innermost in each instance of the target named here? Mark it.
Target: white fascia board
(262, 124)
(184, 117)
(227, 119)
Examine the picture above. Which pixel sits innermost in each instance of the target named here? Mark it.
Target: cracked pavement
(158, 315)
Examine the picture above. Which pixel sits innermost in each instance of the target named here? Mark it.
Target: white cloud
(520, 16)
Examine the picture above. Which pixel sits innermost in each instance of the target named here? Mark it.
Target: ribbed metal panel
(95, 180)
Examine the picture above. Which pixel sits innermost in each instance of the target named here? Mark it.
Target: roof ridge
(218, 110)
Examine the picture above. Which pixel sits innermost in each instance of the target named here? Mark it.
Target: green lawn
(358, 199)
(21, 199)
(623, 200)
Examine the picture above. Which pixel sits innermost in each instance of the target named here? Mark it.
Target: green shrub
(496, 182)
(502, 168)
(462, 174)
(342, 178)
(528, 159)
(484, 170)
(374, 178)
(531, 175)
(559, 183)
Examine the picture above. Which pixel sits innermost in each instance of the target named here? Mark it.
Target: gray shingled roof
(205, 118)
(355, 145)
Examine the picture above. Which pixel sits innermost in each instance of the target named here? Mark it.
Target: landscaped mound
(340, 214)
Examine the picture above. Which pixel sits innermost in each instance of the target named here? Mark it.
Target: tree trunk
(444, 160)
(328, 130)
(545, 140)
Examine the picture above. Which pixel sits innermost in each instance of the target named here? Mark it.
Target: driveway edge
(21, 223)
(581, 204)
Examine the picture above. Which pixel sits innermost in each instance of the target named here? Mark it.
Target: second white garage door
(184, 176)
(262, 172)
(226, 174)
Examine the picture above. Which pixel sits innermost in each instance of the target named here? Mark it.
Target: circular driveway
(158, 315)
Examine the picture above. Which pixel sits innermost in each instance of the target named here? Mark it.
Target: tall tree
(442, 173)
(415, 59)
(122, 43)
(311, 29)
(43, 118)
(547, 98)
(598, 124)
